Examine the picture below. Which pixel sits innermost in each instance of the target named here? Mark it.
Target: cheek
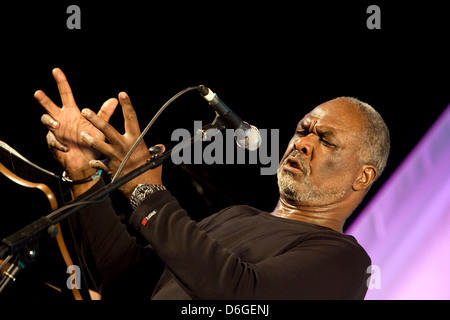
(336, 166)
(329, 170)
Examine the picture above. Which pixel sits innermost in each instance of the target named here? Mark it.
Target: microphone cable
(149, 125)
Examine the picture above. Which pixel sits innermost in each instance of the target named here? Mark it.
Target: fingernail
(85, 112)
(122, 95)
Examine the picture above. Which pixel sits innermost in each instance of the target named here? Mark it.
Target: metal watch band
(142, 191)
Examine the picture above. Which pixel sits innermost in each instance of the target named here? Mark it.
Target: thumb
(100, 165)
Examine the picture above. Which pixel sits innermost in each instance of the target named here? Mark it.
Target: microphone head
(251, 139)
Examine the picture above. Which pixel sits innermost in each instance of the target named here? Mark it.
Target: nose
(304, 146)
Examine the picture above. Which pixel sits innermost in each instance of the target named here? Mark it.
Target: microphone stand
(21, 243)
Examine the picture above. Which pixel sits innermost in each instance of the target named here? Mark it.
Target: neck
(332, 216)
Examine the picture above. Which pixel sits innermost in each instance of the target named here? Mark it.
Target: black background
(270, 61)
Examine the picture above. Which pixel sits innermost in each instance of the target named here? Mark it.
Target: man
(298, 251)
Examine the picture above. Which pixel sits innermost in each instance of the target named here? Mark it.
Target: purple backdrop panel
(405, 228)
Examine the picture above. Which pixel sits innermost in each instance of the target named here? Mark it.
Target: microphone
(246, 135)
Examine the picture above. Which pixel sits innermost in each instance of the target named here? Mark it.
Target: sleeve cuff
(149, 208)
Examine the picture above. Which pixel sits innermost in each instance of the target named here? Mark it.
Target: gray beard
(289, 188)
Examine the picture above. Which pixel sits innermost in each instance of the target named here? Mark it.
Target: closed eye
(326, 142)
(322, 136)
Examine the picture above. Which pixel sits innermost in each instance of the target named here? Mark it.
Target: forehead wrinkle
(338, 117)
(342, 133)
(327, 130)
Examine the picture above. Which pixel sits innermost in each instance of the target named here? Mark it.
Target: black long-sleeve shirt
(238, 253)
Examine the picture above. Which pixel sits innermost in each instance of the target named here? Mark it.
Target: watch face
(143, 191)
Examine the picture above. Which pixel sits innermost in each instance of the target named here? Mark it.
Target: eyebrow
(328, 134)
(324, 130)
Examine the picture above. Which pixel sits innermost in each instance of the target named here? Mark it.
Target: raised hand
(119, 145)
(65, 125)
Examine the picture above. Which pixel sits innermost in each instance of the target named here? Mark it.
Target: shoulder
(342, 247)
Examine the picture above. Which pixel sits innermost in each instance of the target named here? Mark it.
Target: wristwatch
(142, 191)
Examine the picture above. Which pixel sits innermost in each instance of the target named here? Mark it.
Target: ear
(366, 176)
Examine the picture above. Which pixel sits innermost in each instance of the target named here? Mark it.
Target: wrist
(81, 180)
(77, 190)
(142, 191)
(148, 177)
(85, 173)
(94, 176)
